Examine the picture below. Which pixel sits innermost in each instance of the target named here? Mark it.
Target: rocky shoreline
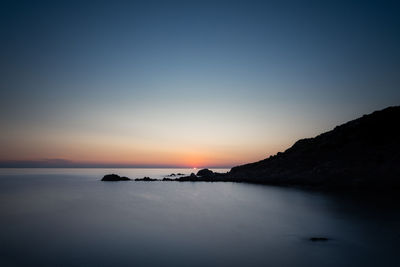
(363, 154)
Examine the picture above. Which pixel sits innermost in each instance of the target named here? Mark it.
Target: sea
(68, 217)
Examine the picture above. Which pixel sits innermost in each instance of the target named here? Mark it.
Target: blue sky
(188, 83)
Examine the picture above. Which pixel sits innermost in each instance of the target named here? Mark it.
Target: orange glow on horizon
(125, 151)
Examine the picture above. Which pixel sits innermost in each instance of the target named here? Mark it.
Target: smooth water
(67, 217)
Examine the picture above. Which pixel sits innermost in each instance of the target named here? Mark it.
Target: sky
(187, 83)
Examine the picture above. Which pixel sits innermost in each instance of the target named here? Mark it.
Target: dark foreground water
(67, 217)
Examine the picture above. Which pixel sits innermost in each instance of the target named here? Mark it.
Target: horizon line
(62, 163)
(112, 167)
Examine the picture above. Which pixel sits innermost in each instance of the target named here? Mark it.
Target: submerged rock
(114, 178)
(316, 239)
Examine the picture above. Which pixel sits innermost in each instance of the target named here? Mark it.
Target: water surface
(67, 217)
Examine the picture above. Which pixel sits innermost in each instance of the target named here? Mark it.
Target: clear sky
(187, 83)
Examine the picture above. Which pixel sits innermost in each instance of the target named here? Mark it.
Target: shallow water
(67, 217)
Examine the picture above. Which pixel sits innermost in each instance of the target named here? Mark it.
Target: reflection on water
(67, 217)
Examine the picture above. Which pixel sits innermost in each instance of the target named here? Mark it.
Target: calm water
(67, 217)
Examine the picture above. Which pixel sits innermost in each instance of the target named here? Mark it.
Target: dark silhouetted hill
(363, 153)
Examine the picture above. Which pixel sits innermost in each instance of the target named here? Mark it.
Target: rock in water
(114, 178)
(316, 239)
(146, 179)
(205, 173)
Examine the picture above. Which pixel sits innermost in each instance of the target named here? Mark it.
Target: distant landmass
(360, 154)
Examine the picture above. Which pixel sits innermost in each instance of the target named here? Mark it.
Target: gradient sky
(187, 83)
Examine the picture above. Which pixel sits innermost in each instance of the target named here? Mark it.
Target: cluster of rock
(116, 178)
(146, 179)
(204, 175)
(173, 174)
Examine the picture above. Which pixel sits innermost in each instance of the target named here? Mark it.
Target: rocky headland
(360, 154)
